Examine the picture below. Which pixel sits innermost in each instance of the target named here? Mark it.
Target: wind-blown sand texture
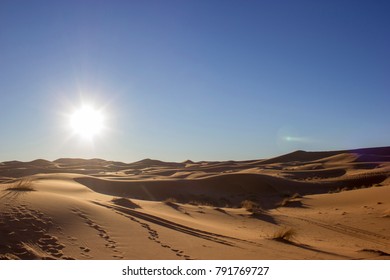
(303, 205)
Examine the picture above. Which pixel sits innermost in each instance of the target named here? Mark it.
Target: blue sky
(200, 80)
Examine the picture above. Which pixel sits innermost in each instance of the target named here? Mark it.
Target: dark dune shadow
(264, 216)
(172, 205)
(319, 174)
(222, 211)
(125, 202)
(176, 207)
(292, 204)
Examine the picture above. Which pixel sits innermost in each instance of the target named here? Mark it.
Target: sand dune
(303, 205)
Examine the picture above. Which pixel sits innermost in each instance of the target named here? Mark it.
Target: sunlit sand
(303, 205)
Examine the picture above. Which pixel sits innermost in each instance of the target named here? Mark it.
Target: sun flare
(87, 122)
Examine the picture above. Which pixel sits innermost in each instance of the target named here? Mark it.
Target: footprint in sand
(102, 233)
(153, 234)
(85, 249)
(27, 235)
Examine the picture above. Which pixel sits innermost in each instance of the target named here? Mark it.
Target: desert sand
(302, 205)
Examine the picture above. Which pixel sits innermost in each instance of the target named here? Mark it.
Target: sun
(87, 122)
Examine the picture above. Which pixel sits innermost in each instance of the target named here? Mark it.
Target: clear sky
(200, 80)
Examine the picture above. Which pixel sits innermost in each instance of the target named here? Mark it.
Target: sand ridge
(303, 205)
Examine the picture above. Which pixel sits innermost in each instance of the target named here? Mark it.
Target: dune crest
(302, 205)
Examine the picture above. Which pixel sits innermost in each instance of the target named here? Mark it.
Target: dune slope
(303, 205)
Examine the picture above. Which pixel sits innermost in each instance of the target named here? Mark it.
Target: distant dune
(302, 205)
